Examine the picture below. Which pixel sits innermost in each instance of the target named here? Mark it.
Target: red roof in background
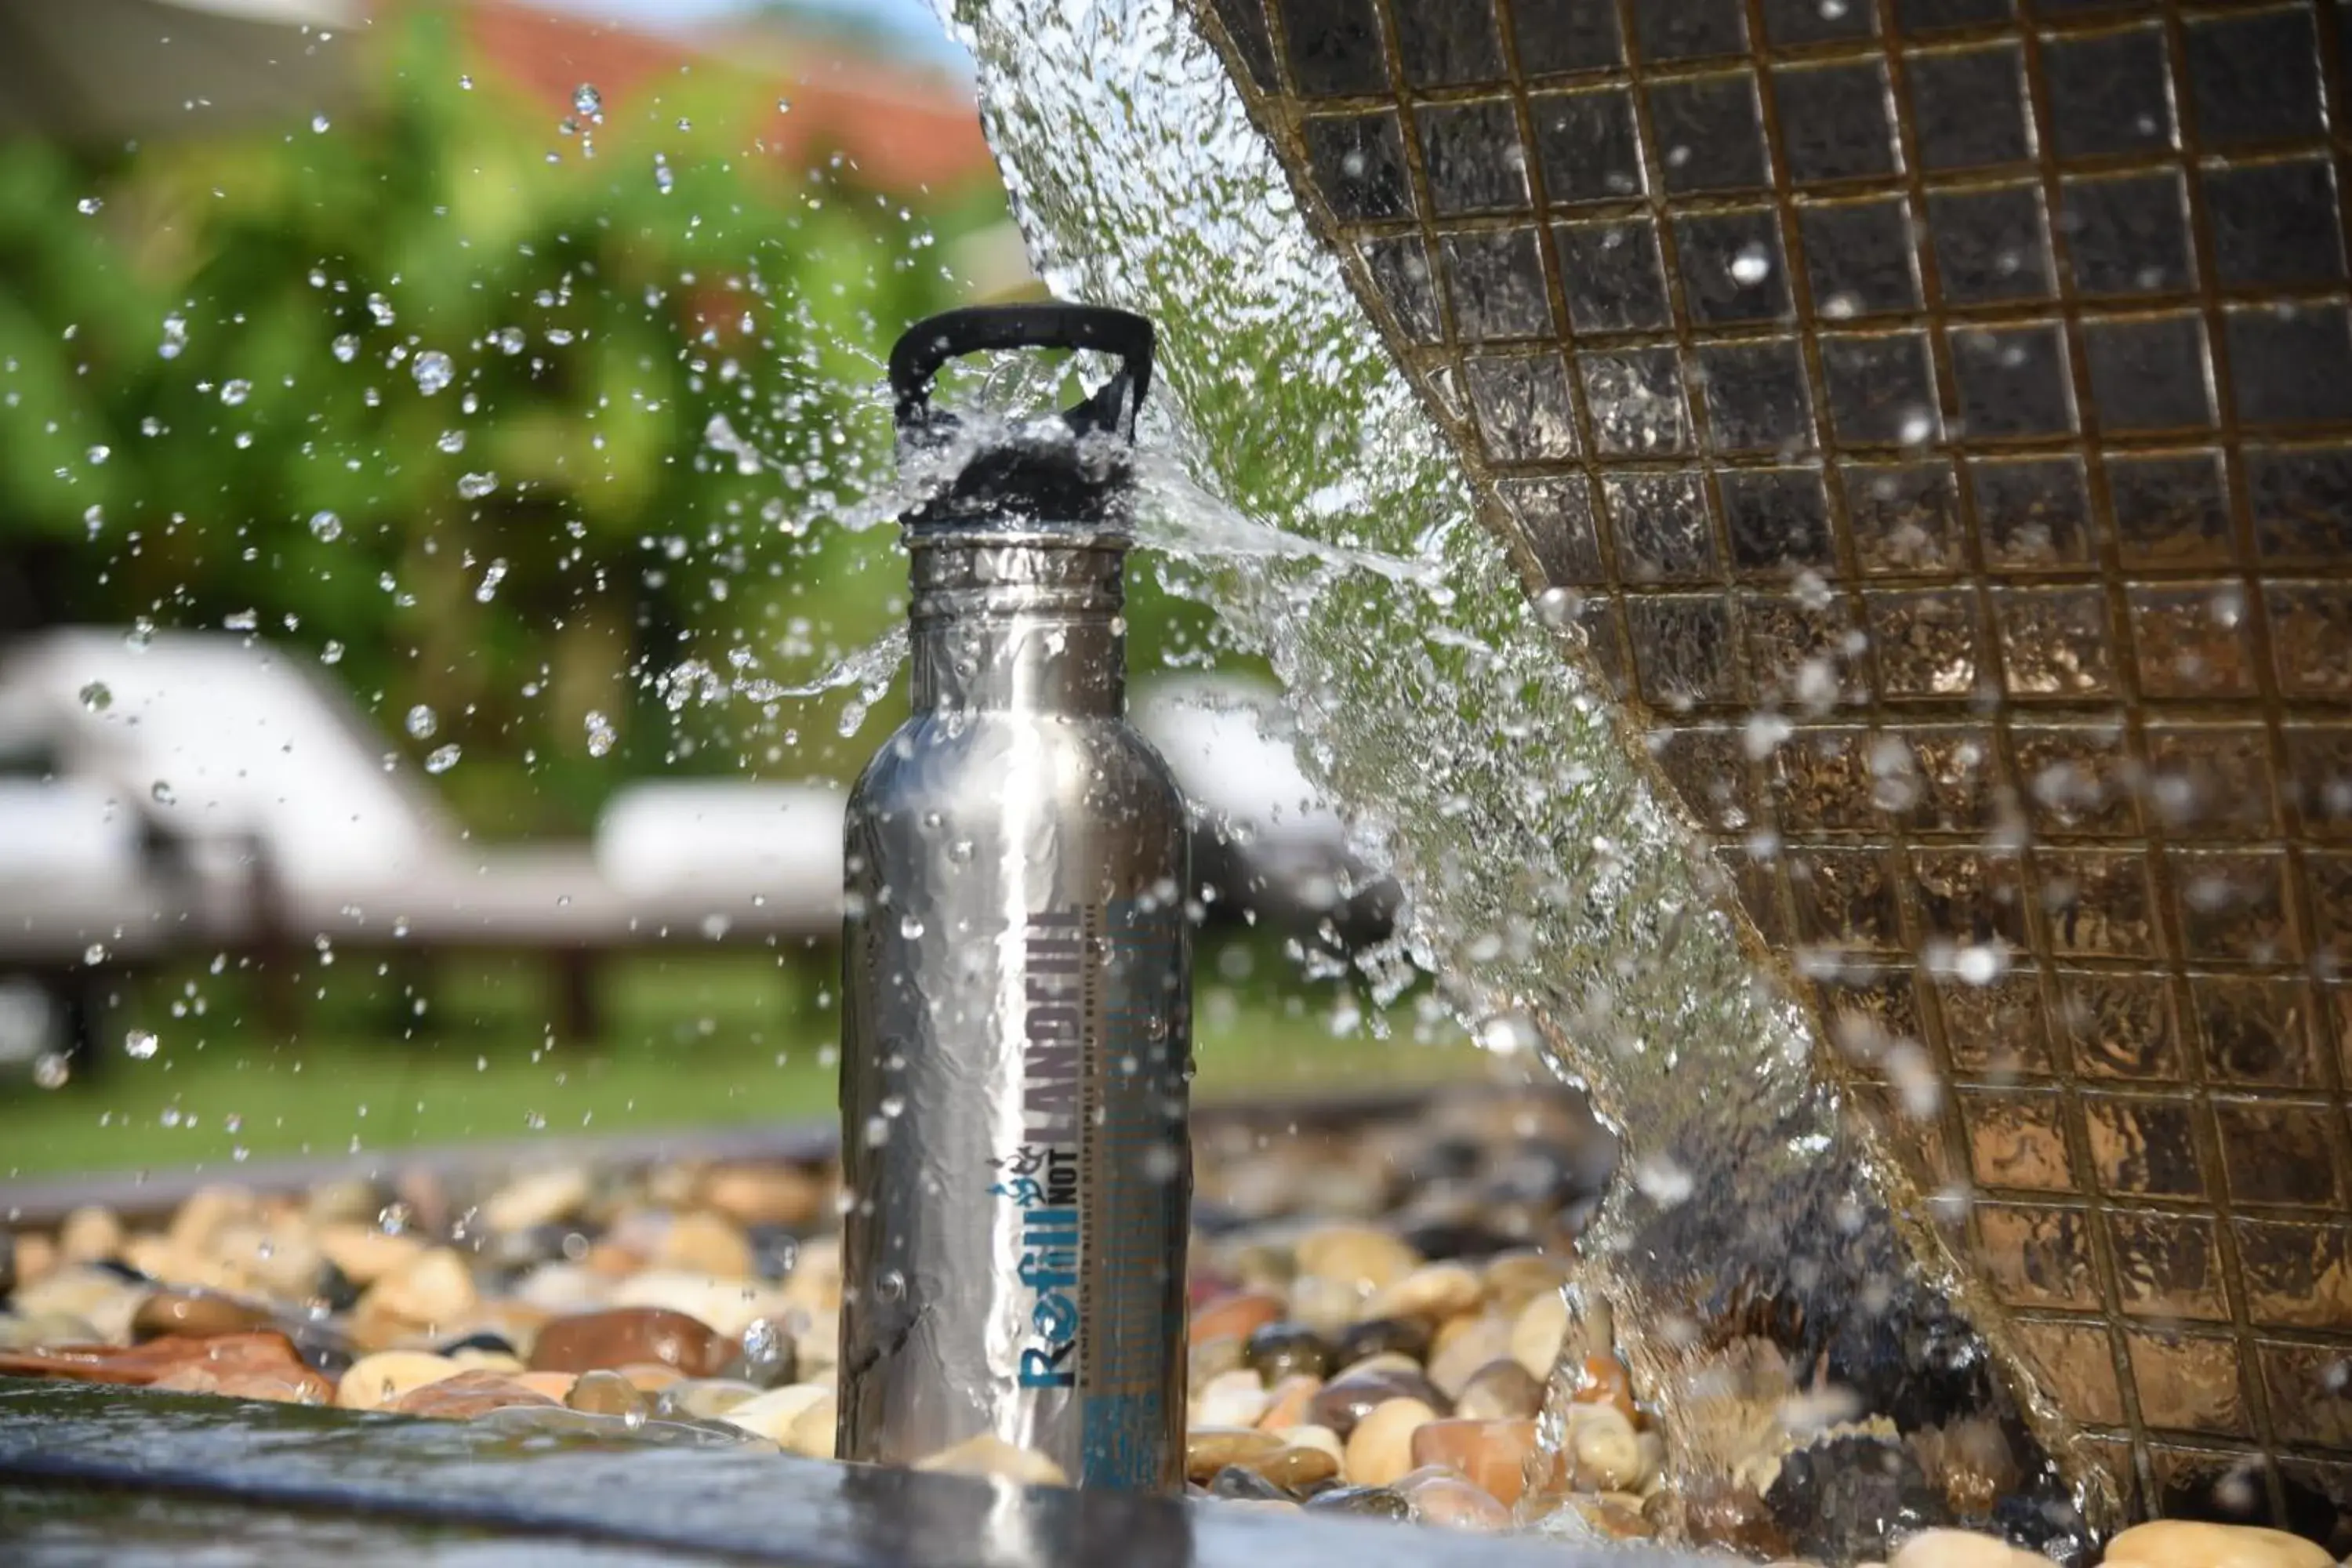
(905, 128)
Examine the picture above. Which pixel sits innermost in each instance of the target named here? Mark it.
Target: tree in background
(540, 428)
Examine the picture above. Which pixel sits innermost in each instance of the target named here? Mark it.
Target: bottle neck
(1019, 622)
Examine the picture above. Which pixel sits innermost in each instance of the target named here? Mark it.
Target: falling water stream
(1550, 883)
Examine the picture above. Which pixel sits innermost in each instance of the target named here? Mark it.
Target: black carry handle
(929, 344)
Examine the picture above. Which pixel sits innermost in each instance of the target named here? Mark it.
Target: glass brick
(1635, 399)
(1335, 47)
(1710, 134)
(2149, 373)
(2143, 1147)
(2233, 906)
(1835, 120)
(1905, 518)
(1496, 282)
(1448, 43)
(1245, 22)
(2073, 777)
(2254, 77)
(2212, 780)
(2037, 1257)
(2033, 514)
(1799, 647)
(1691, 30)
(1844, 898)
(2128, 234)
(1662, 527)
(2078, 1369)
(2014, 381)
(1859, 257)
(2109, 94)
(1524, 410)
(2290, 364)
(1788, 22)
(2274, 226)
(1755, 394)
(2016, 1141)
(1597, 623)
(2054, 642)
(2193, 640)
(1589, 144)
(1990, 244)
(2188, 1381)
(1881, 388)
(2255, 1032)
(2311, 640)
(2297, 1275)
(1997, 1031)
(1953, 774)
(1556, 518)
(1709, 769)
(1613, 275)
(2170, 511)
(1968, 107)
(2278, 1154)
(1779, 521)
(1473, 158)
(2327, 881)
(2097, 903)
(1821, 778)
(1917, 17)
(2166, 1266)
(1358, 163)
(1925, 643)
(1733, 265)
(2121, 1026)
(1401, 271)
(1568, 36)
(2319, 778)
(1683, 651)
(1966, 895)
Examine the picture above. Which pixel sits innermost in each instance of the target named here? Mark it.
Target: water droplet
(326, 526)
(161, 793)
(508, 338)
(51, 1069)
(421, 722)
(241, 620)
(1834, 10)
(88, 207)
(663, 178)
(319, 124)
(492, 575)
(235, 391)
(783, 106)
(380, 308)
(1751, 264)
(333, 653)
(442, 759)
(1919, 425)
(141, 635)
(467, 82)
(911, 927)
(433, 372)
(141, 1043)
(452, 441)
(175, 335)
(96, 696)
(587, 103)
(346, 347)
(600, 734)
(474, 487)
(94, 954)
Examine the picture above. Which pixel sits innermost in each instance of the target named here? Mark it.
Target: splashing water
(1549, 881)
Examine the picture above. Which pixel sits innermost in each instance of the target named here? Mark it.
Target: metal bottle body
(1016, 1034)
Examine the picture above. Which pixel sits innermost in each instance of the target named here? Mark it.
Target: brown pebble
(1287, 1401)
(1208, 1449)
(1356, 1256)
(91, 1235)
(1465, 1347)
(706, 1243)
(556, 1385)
(260, 1354)
(1300, 1465)
(1430, 1293)
(990, 1455)
(374, 1381)
(467, 1395)
(587, 1341)
(651, 1377)
(763, 1194)
(1239, 1314)
(1502, 1390)
(198, 1314)
(1724, 1514)
(1603, 1379)
(1344, 1401)
(2182, 1543)
(1443, 1497)
(1380, 1448)
(602, 1393)
(1492, 1454)
(1513, 1278)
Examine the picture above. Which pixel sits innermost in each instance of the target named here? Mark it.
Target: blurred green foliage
(219, 399)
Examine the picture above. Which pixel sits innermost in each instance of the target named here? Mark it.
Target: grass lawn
(699, 1040)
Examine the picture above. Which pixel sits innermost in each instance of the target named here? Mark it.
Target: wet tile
(2170, 511)
(2210, 780)
(1709, 769)
(2037, 1257)
(1965, 895)
(1954, 779)
(2290, 364)
(1523, 407)
(1568, 36)
(2327, 881)
(1968, 107)
(1997, 1032)
(1496, 282)
(2097, 903)
(1401, 271)
(2128, 234)
(2274, 224)
(1555, 517)
(1356, 161)
(2149, 373)
(1734, 267)
(1448, 43)
(2033, 514)
(2254, 77)
(2121, 1028)
(2319, 778)
(1245, 22)
(1662, 527)
(2310, 1395)
(1925, 643)
(1836, 121)
(1801, 649)
(1710, 134)
(2297, 1275)
(1778, 521)
(2255, 1032)
(2054, 642)
(1611, 272)
(1859, 257)
(1683, 651)
(2166, 1266)
(1756, 397)
(1905, 518)
(1472, 156)
(1788, 22)
(2016, 1141)
(2278, 1154)
(1881, 388)
(1990, 244)
(1634, 397)
(2188, 1381)
(2311, 640)
(2143, 1147)
(2232, 907)
(2193, 641)
(1844, 898)
(2072, 776)
(2012, 380)
(2109, 94)
(1589, 145)
(2076, 1364)
(1915, 16)
(1690, 29)
(1334, 47)
(1601, 625)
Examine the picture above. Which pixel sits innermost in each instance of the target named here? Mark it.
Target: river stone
(727, 1306)
(772, 1414)
(1280, 1350)
(704, 1398)
(1235, 1398)
(602, 1393)
(1357, 1255)
(2183, 1544)
(542, 1197)
(1241, 1314)
(1605, 1449)
(99, 1297)
(1346, 1400)
(1326, 1306)
(753, 1195)
(343, 1198)
(1287, 1401)
(1968, 1548)
(203, 1214)
(1513, 1278)
(366, 1254)
(1380, 1449)
(630, 1334)
(990, 1455)
(1500, 1391)
(1362, 1502)
(1538, 1334)
(467, 1395)
(90, 1234)
(1208, 1449)
(251, 1365)
(556, 1385)
(1430, 1294)
(1493, 1455)
(1381, 1336)
(1442, 1497)
(198, 1314)
(1239, 1485)
(1848, 1499)
(706, 1243)
(375, 1381)
(1297, 1466)
(21, 1333)
(1465, 1347)
(815, 1430)
(432, 1290)
(765, 1355)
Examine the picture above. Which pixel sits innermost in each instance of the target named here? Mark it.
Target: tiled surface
(1967, 384)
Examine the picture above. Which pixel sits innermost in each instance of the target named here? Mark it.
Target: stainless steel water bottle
(1016, 1036)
